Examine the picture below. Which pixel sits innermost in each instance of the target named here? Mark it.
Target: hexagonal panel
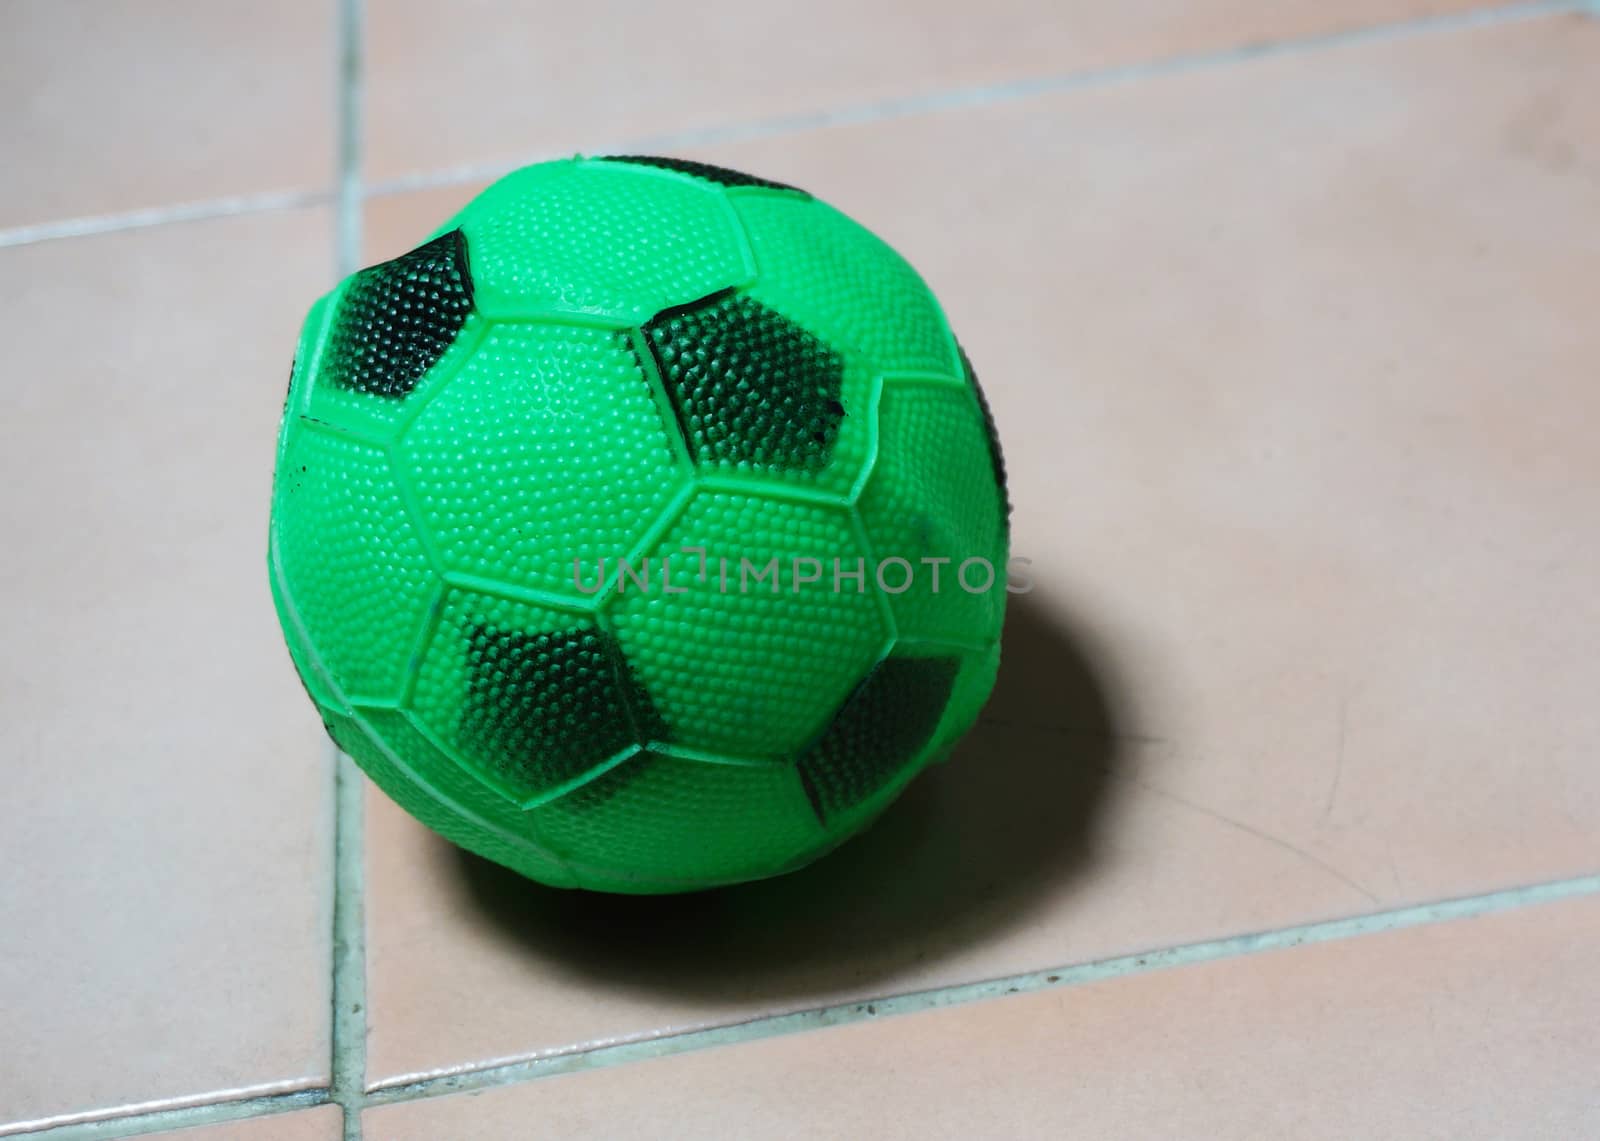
(353, 565)
(307, 665)
(737, 667)
(548, 447)
(932, 495)
(844, 284)
(533, 700)
(721, 175)
(599, 238)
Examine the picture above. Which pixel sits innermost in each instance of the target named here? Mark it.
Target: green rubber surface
(604, 525)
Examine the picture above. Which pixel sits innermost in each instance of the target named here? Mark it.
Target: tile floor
(1286, 313)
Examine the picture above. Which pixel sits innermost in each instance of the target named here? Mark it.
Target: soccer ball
(642, 530)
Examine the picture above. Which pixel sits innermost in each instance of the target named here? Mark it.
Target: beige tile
(395, 223)
(1477, 1029)
(325, 1123)
(493, 82)
(1292, 365)
(167, 814)
(114, 105)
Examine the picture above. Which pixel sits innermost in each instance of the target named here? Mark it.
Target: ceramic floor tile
(167, 811)
(1476, 1029)
(493, 82)
(395, 223)
(325, 1123)
(113, 105)
(1291, 363)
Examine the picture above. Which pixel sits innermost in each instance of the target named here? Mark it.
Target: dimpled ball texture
(558, 503)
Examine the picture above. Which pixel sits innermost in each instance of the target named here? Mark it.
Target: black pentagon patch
(879, 729)
(398, 317)
(997, 460)
(721, 175)
(748, 385)
(544, 708)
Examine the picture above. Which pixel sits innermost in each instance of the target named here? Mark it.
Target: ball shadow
(965, 852)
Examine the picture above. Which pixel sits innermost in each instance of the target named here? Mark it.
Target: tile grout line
(133, 1121)
(351, 101)
(852, 115)
(1009, 91)
(92, 225)
(348, 1060)
(137, 1123)
(1077, 974)
(348, 1066)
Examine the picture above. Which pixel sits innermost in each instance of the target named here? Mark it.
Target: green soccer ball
(632, 531)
